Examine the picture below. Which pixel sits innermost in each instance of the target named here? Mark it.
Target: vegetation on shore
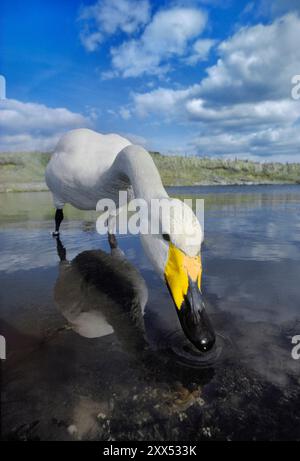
(177, 171)
(24, 171)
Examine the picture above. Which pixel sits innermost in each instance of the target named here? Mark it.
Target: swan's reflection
(100, 294)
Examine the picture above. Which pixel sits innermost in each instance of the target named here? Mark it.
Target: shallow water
(59, 384)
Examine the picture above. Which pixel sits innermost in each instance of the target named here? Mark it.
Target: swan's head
(175, 252)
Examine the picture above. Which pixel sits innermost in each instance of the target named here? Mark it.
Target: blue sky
(206, 77)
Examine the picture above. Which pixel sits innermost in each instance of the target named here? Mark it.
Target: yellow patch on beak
(179, 269)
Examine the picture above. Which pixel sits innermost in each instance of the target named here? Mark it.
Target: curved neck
(135, 165)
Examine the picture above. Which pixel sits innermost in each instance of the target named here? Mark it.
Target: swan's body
(87, 166)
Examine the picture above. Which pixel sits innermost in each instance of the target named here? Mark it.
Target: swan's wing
(78, 163)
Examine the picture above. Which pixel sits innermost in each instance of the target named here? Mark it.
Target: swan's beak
(183, 277)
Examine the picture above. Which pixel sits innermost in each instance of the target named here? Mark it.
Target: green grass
(198, 170)
(24, 171)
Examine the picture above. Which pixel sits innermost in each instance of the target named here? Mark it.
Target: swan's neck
(135, 165)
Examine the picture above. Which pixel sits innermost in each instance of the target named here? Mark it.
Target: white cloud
(162, 101)
(244, 105)
(90, 40)
(158, 41)
(256, 64)
(31, 126)
(246, 116)
(269, 144)
(108, 75)
(279, 7)
(107, 17)
(201, 50)
(165, 102)
(166, 36)
(125, 113)
(93, 113)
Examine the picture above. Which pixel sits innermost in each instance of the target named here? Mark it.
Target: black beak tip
(201, 335)
(196, 323)
(206, 344)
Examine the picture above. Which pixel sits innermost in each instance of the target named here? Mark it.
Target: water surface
(58, 384)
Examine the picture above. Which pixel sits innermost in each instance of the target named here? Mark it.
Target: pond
(78, 368)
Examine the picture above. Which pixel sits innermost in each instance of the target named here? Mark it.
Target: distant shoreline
(42, 187)
(24, 171)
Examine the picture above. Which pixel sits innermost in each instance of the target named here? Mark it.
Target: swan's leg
(59, 216)
(113, 243)
(61, 251)
(111, 229)
(112, 240)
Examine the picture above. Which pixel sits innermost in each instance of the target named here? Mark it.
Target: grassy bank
(25, 171)
(198, 170)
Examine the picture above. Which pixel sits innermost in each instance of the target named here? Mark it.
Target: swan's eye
(166, 237)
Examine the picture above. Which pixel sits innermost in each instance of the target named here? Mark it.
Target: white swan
(88, 166)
